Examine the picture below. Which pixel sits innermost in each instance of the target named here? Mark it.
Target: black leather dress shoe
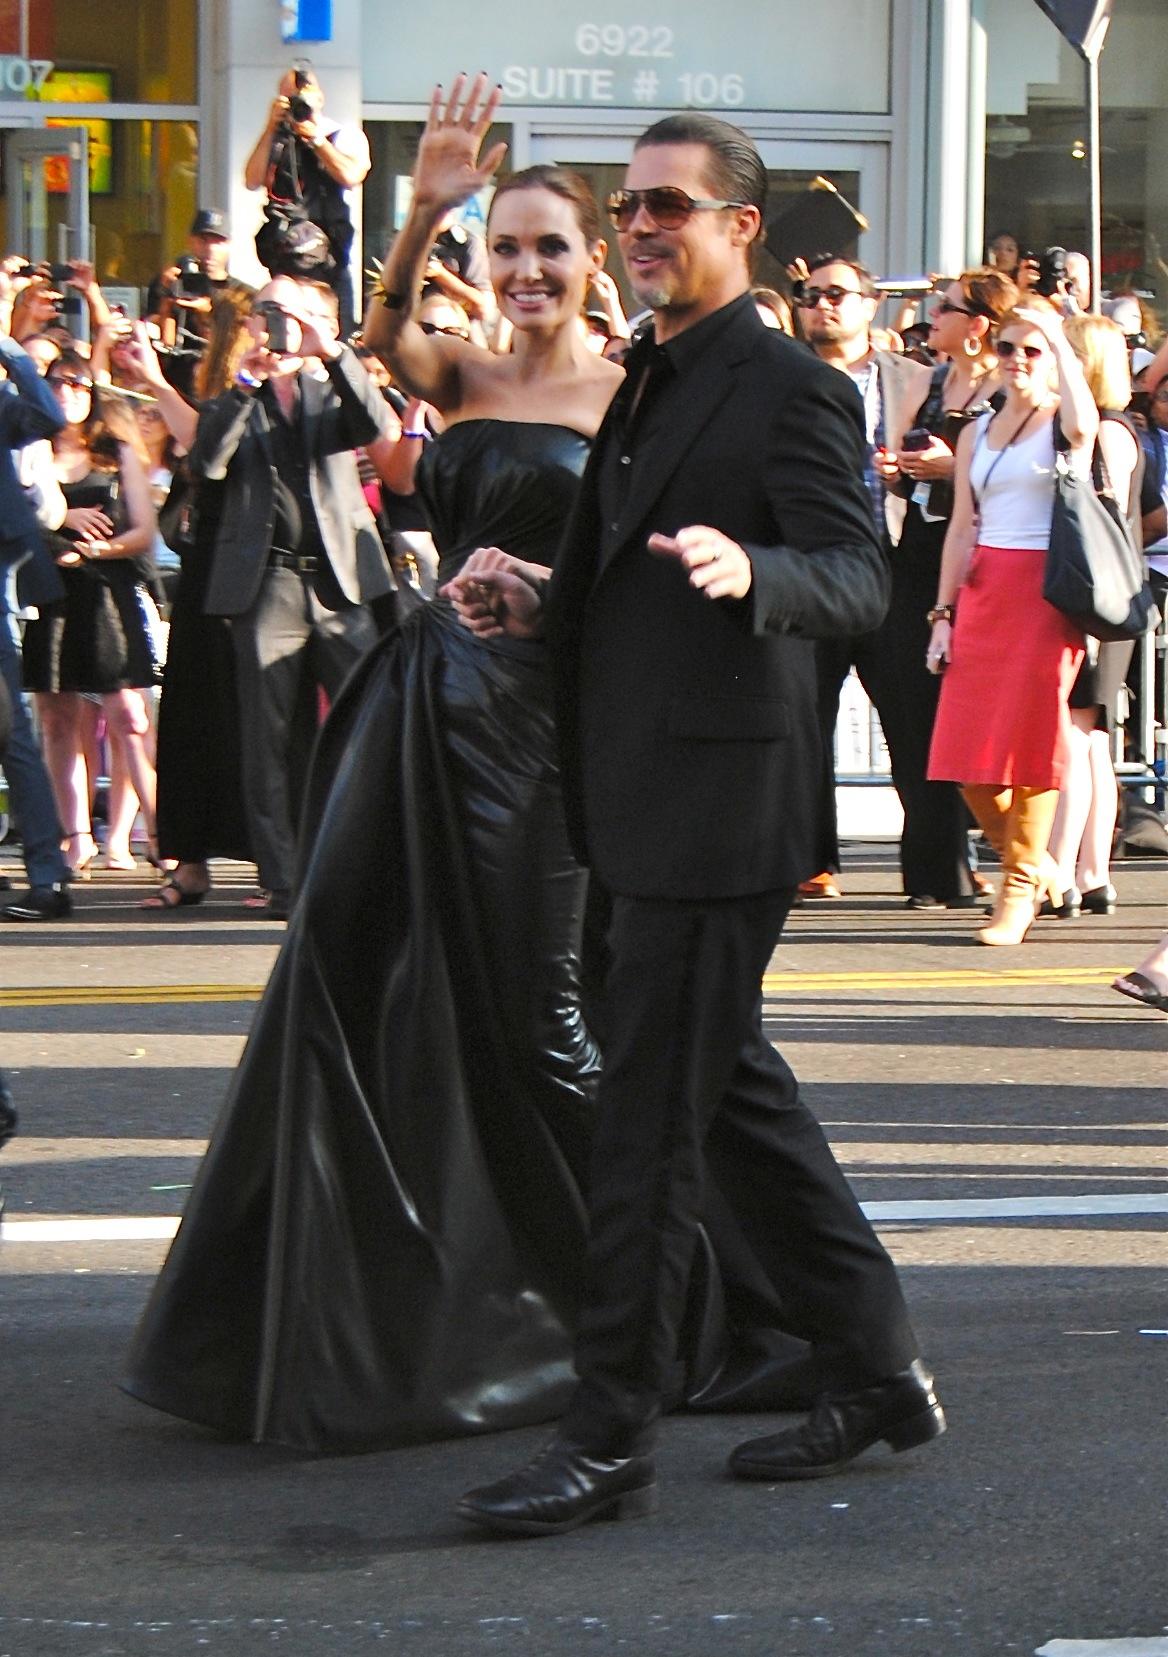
(563, 1488)
(903, 1411)
(40, 903)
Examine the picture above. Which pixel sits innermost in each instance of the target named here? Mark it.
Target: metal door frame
(26, 148)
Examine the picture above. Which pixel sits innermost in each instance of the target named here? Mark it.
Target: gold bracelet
(940, 612)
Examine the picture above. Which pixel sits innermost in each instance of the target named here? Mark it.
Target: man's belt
(280, 559)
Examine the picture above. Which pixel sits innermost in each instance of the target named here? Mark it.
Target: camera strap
(285, 146)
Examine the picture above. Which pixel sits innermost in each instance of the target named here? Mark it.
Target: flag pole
(1094, 181)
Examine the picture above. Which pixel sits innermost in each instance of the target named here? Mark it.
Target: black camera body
(299, 108)
(193, 281)
(918, 438)
(1052, 271)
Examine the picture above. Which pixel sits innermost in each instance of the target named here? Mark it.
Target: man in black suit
(722, 527)
(297, 555)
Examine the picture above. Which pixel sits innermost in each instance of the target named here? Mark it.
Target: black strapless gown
(386, 1240)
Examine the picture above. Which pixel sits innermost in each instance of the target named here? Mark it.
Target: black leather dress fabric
(386, 1240)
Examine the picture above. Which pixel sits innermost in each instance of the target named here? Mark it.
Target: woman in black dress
(386, 1241)
(200, 796)
(100, 638)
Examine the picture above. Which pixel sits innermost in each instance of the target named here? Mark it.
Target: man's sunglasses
(834, 295)
(453, 333)
(666, 205)
(1006, 348)
(70, 381)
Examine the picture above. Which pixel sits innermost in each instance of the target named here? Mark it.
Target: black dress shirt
(657, 382)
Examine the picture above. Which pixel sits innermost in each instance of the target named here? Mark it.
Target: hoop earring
(969, 342)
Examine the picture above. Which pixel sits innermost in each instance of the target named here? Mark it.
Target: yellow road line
(773, 984)
(960, 978)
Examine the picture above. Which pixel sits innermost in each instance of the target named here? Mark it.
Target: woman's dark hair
(562, 182)
(227, 340)
(735, 168)
(988, 292)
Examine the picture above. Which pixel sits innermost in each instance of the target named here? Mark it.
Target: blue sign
(306, 19)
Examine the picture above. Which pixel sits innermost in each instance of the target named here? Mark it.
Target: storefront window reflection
(1036, 166)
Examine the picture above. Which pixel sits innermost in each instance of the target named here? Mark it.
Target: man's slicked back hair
(735, 169)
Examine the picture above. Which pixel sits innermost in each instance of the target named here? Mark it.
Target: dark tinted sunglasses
(834, 295)
(948, 308)
(1006, 348)
(666, 205)
(454, 333)
(69, 380)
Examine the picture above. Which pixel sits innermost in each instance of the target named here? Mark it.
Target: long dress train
(386, 1240)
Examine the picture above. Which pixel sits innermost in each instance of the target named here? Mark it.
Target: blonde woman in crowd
(1084, 824)
(1009, 658)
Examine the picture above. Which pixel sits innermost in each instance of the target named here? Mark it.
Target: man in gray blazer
(297, 556)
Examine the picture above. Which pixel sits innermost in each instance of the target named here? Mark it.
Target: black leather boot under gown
(385, 1242)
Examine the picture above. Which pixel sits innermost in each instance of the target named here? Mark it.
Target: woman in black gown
(200, 792)
(386, 1240)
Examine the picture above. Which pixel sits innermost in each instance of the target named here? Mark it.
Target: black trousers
(692, 1091)
(890, 663)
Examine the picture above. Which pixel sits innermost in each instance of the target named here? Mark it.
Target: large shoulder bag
(1094, 568)
(289, 243)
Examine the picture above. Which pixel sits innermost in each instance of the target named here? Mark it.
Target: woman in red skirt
(1009, 657)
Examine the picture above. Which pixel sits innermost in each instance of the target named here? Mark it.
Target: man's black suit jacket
(693, 764)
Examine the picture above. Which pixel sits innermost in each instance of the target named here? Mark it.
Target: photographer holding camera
(181, 296)
(308, 164)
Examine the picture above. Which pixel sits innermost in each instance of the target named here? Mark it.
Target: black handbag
(1095, 571)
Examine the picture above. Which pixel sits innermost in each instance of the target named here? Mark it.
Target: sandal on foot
(170, 895)
(1140, 988)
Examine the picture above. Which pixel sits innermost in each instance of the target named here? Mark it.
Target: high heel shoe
(80, 867)
(1013, 916)
(1100, 900)
(1068, 906)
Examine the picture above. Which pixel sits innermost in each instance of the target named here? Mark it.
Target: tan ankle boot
(1025, 865)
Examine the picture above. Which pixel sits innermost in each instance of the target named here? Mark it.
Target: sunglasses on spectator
(454, 333)
(834, 295)
(1006, 348)
(70, 381)
(948, 308)
(666, 205)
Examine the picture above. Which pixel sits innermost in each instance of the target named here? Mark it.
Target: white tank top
(1015, 506)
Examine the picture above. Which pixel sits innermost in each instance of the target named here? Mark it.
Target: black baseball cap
(209, 221)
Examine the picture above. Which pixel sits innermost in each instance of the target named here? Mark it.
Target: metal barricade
(1141, 745)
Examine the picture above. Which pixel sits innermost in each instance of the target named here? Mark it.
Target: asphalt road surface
(1003, 1112)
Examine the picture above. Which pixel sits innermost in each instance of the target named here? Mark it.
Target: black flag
(1083, 22)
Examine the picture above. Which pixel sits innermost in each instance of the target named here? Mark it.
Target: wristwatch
(940, 612)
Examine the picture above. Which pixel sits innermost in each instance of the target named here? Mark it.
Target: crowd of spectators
(209, 515)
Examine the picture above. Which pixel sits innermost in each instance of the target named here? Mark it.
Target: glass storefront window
(148, 49)
(393, 145)
(142, 199)
(1036, 169)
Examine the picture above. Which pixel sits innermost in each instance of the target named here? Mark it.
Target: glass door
(859, 172)
(44, 167)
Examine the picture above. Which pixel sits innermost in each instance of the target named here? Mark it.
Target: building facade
(943, 121)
